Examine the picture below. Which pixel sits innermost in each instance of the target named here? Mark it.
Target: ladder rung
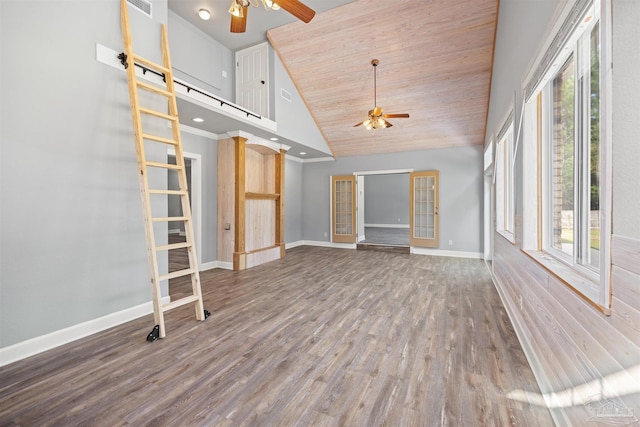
(170, 218)
(169, 192)
(179, 273)
(157, 114)
(155, 89)
(180, 302)
(163, 165)
(159, 139)
(145, 61)
(173, 246)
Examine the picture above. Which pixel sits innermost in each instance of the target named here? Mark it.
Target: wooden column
(239, 252)
(280, 202)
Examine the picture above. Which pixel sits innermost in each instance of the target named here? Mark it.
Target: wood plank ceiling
(435, 64)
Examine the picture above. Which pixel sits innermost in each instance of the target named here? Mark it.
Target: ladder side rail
(182, 178)
(142, 175)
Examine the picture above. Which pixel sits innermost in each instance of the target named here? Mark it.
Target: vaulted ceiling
(435, 59)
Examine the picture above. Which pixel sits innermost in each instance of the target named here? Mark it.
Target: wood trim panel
(280, 188)
(259, 225)
(239, 180)
(625, 253)
(572, 346)
(261, 196)
(263, 256)
(339, 219)
(419, 241)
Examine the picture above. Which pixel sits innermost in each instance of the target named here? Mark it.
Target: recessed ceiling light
(204, 14)
(274, 138)
(302, 153)
(198, 119)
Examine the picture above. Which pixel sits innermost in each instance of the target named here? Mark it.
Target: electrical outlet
(325, 234)
(450, 242)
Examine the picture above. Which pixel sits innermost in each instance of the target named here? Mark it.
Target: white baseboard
(208, 265)
(387, 225)
(292, 245)
(440, 252)
(36, 345)
(225, 265)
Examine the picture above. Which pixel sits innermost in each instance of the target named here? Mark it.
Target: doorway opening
(178, 259)
(383, 210)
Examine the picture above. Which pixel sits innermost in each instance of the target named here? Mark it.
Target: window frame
(593, 286)
(505, 179)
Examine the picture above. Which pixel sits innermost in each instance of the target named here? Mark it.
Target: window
(564, 226)
(573, 174)
(505, 181)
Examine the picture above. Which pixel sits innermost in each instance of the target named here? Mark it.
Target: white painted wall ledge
(414, 250)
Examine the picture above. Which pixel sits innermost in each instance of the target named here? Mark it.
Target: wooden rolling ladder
(143, 165)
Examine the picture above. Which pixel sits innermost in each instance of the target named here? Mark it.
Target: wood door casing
(424, 209)
(343, 209)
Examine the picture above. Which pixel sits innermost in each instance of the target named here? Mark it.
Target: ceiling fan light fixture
(270, 4)
(204, 14)
(236, 9)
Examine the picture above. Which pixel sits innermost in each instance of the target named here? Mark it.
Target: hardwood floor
(322, 337)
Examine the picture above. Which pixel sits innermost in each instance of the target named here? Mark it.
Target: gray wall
(71, 234)
(461, 187)
(386, 199)
(292, 201)
(208, 150)
(199, 59)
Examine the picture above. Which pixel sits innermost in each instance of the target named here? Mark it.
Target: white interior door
(360, 207)
(252, 79)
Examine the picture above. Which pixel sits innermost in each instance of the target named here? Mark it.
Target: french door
(343, 209)
(423, 200)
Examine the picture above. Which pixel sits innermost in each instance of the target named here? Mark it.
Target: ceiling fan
(240, 8)
(376, 119)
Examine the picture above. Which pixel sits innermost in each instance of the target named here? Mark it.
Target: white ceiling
(259, 20)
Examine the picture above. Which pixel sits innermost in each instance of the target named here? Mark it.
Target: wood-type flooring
(323, 337)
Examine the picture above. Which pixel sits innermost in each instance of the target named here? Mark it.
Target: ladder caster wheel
(154, 334)
(207, 314)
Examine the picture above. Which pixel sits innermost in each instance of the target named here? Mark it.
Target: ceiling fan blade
(387, 124)
(297, 9)
(359, 124)
(396, 116)
(377, 111)
(239, 25)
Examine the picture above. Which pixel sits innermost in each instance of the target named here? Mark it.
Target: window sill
(585, 287)
(507, 235)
